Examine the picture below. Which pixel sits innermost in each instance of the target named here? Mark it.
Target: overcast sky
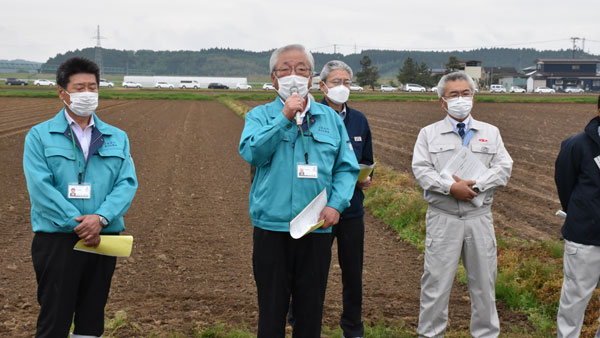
(38, 29)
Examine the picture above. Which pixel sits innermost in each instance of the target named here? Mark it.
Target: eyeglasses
(299, 70)
(464, 93)
(338, 82)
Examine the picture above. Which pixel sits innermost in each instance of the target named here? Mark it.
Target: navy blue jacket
(577, 177)
(360, 137)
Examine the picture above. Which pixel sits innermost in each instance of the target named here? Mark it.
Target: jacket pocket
(440, 154)
(324, 152)
(484, 152)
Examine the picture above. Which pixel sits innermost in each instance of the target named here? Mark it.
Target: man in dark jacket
(336, 78)
(577, 179)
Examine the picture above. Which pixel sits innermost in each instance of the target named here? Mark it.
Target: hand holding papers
(308, 219)
(365, 171)
(465, 165)
(110, 245)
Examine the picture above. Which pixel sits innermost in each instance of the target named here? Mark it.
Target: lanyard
(80, 173)
(467, 138)
(306, 149)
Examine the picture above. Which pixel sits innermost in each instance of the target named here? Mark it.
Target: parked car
(268, 86)
(517, 89)
(497, 88)
(163, 84)
(104, 83)
(188, 84)
(574, 90)
(434, 89)
(385, 88)
(356, 88)
(544, 90)
(244, 86)
(44, 82)
(11, 81)
(216, 85)
(411, 87)
(131, 84)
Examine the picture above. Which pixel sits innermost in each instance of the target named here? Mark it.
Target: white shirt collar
(71, 121)
(466, 121)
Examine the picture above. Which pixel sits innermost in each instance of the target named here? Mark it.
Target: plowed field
(191, 264)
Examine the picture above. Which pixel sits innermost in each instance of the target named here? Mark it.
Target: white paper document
(308, 219)
(467, 166)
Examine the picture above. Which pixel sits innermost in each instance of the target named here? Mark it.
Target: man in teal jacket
(81, 180)
(299, 147)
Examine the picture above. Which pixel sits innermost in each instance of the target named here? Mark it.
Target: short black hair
(76, 65)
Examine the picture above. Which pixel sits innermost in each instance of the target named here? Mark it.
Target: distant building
(473, 69)
(562, 73)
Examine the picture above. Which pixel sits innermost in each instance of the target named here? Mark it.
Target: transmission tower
(98, 49)
(574, 39)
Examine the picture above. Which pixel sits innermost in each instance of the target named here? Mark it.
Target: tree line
(237, 62)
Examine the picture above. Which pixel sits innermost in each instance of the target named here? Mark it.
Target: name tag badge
(79, 191)
(357, 139)
(597, 159)
(307, 170)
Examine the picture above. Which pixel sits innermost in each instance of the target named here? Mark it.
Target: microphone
(294, 90)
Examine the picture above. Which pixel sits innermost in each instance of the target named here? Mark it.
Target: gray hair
(278, 51)
(456, 76)
(333, 65)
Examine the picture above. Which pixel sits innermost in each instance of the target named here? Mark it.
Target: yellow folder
(365, 171)
(110, 245)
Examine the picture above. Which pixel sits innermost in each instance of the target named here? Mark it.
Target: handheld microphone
(294, 90)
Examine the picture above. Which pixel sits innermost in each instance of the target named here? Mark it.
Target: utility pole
(334, 48)
(98, 50)
(574, 39)
(355, 48)
(583, 45)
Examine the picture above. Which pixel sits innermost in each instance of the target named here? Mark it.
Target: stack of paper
(110, 245)
(308, 219)
(467, 166)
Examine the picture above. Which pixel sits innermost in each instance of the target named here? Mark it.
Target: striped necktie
(461, 129)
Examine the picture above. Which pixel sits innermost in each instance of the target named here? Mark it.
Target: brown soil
(191, 264)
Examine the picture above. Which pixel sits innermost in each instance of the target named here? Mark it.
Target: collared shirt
(343, 112)
(306, 108)
(83, 136)
(466, 121)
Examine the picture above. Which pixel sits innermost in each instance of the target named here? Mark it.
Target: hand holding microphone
(293, 107)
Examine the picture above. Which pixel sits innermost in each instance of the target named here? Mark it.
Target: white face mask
(286, 84)
(83, 103)
(459, 107)
(338, 94)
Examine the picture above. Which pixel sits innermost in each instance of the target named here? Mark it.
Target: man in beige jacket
(459, 219)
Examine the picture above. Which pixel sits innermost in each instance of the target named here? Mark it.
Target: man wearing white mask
(336, 78)
(81, 180)
(299, 147)
(459, 220)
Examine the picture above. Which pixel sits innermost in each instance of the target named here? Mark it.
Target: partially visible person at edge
(577, 177)
(456, 226)
(81, 180)
(336, 78)
(271, 142)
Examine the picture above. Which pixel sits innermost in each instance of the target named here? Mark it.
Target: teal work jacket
(272, 144)
(50, 165)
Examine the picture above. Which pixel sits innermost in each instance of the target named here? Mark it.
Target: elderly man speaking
(299, 147)
(459, 218)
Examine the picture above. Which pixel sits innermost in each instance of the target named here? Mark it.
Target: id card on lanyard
(306, 170)
(78, 190)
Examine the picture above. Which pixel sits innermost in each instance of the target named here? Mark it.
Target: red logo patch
(482, 140)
